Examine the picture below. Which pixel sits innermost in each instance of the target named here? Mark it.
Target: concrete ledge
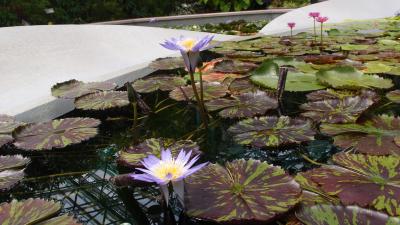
(201, 18)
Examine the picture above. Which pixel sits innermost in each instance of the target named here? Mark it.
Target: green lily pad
(388, 42)
(169, 63)
(349, 215)
(350, 47)
(56, 134)
(212, 90)
(30, 211)
(345, 110)
(267, 75)
(272, 131)
(245, 105)
(343, 77)
(377, 67)
(72, 89)
(102, 100)
(242, 192)
(375, 136)
(364, 180)
(163, 83)
(394, 96)
(132, 156)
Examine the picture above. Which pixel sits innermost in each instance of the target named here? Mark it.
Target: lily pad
(7, 126)
(72, 89)
(56, 134)
(341, 94)
(350, 47)
(272, 131)
(343, 77)
(242, 85)
(212, 90)
(245, 105)
(61, 220)
(394, 96)
(242, 191)
(349, 215)
(132, 156)
(5, 138)
(375, 136)
(267, 75)
(364, 180)
(345, 110)
(8, 162)
(30, 211)
(163, 83)
(233, 66)
(102, 100)
(169, 63)
(9, 178)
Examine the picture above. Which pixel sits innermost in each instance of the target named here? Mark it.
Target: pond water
(89, 179)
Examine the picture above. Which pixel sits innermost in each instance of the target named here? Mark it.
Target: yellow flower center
(168, 170)
(188, 43)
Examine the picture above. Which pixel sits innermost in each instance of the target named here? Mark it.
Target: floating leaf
(8, 162)
(30, 211)
(233, 66)
(267, 75)
(8, 124)
(132, 156)
(212, 90)
(394, 96)
(56, 134)
(241, 85)
(345, 110)
(9, 178)
(349, 215)
(343, 77)
(61, 220)
(341, 94)
(350, 47)
(73, 88)
(102, 100)
(163, 83)
(242, 191)
(245, 105)
(364, 180)
(272, 131)
(5, 138)
(169, 63)
(374, 136)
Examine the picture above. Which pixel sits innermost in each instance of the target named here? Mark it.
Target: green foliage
(235, 5)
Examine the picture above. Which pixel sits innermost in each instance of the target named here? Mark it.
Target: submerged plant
(190, 49)
(169, 170)
(314, 15)
(322, 20)
(291, 25)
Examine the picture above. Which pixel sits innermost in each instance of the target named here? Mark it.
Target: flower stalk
(314, 15)
(322, 20)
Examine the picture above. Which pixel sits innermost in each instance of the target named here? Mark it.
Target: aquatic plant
(314, 15)
(291, 25)
(190, 49)
(321, 20)
(169, 170)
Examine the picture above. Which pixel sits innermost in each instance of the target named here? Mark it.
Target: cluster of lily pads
(345, 80)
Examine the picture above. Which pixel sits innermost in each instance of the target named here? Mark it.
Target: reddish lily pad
(72, 89)
(56, 134)
(375, 136)
(340, 94)
(132, 156)
(163, 83)
(242, 85)
(349, 215)
(61, 220)
(5, 138)
(233, 66)
(7, 126)
(212, 90)
(242, 192)
(272, 131)
(102, 100)
(169, 63)
(346, 110)
(10, 178)
(30, 211)
(8, 162)
(364, 180)
(245, 105)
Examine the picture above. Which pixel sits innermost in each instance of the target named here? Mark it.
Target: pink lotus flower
(322, 19)
(314, 14)
(291, 25)
(168, 169)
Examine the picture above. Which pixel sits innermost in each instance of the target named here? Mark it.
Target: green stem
(199, 102)
(322, 40)
(315, 32)
(57, 175)
(291, 32)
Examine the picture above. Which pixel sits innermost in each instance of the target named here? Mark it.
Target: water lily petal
(150, 161)
(166, 155)
(194, 169)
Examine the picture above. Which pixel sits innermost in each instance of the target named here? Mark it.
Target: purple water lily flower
(168, 169)
(189, 48)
